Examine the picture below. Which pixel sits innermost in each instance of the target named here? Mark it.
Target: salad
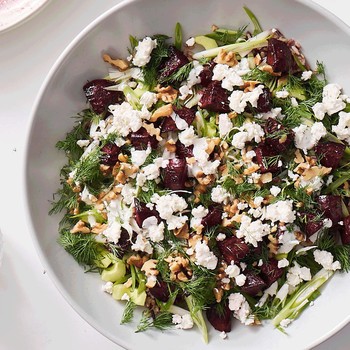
(207, 180)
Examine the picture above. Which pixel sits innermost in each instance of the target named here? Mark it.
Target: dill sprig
(88, 168)
(128, 313)
(225, 36)
(79, 132)
(150, 70)
(179, 75)
(67, 199)
(83, 247)
(161, 321)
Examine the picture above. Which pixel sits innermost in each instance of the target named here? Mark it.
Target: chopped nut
(80, 227)
(98, 228)
(163, 111)
(150, 267)
(123, 158)
(228, 58)
(153, 131)
(250, 85)
(183, 232)
(251, 170)
(119, 63)
(137, 260)
(298, 157)
(266, 178)
(166, 94)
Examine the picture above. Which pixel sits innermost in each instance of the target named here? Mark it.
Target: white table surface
(33, 314)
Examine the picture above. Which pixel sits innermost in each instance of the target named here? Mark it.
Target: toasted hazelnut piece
(118, 63)
(80, 227)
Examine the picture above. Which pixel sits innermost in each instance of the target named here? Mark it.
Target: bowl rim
(29, 130)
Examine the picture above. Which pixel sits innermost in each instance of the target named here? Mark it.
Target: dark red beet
(264, 154)
(330, 153)
(160, 291)
(331, 207)
(233, 249)
(175, 174)
(187, 114)
(253, 284)
(311, 224)
(182, 151)
(264, 103)
(100, 98)
(345, 232)
(207, 73)
(278, 142)
(279, 56)
(176, 59)
(214, 98)
(213, 218)
(109, 154)
(220, 319)
(270, 272)
(142, 212)
(124, 241)
(141, 139)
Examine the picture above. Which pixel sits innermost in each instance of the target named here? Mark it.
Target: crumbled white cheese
(143, 51)
(223, 335)
(220, 237)
(314, 184)
(297, 274)
(331, 101)
(154, 231)
(283, 263)
(284, 323)
(138, 157)
(275, 190)
(288, 241)
(306, 137)
(125, 119)
(343, 128)
(240, 307)
(128, 192)
(238, 100)
(148, 99)
(198, 214)
(252, 231)
(190, 42)
(220, 195)
(247, 132)
(142, 244)
(188, 136)
(270, 291)
(182, 322)
(108, 287)
(280, 211)
(282, 94)
(325, 259)
(204, 256)
(232, 270)
(225, 124)
(306, 75)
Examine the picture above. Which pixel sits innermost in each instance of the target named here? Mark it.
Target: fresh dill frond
(265, 78)
(80, 131)
(179, 75)
(225, 36)
(67, 199)
(128, 313)
(162, 321)
(88, 168)
(238, 190)
(83, 247)
(151, 69)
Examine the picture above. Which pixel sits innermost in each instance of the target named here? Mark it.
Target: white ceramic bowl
(323, 37)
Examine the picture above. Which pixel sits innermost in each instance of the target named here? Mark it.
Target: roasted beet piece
(265, 156)
(330, 153)
(213, 218)
(345, 230)
(331, 207)
(142, 212)
(264, 103)
(187, 114)
(160, 291)
(220, 317)
(277, 136)
(183, 151)
(141, 139)
(253, 284)
(100, 98)
(279, 56)
(175, 174)
(176, 59)
(233, 249)
(109, 154)
(270, 272)
(312, 225)
(214, 98)
(207, 73)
